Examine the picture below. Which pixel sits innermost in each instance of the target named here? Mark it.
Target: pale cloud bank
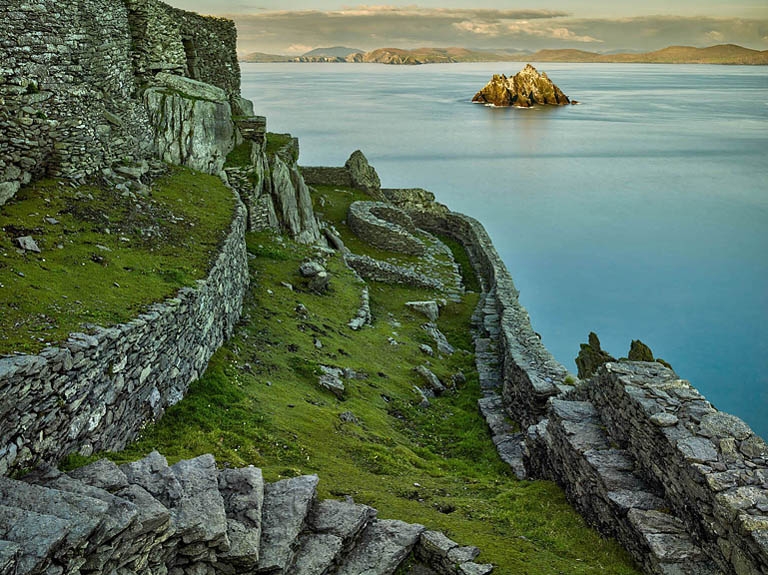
(375, 26)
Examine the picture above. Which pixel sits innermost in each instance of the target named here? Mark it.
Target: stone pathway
(191, 518)
(509, 443)
(571, 446)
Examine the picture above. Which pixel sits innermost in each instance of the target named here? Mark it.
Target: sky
(297, 26)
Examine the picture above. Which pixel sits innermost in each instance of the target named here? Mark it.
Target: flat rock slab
(153, 515)
(28, 244)
(103, 474)
(243, 493)
(381, 549)
(440, 341)
(30, 537)
(317, 554)
(343, 519)
(84, 515)
(286, 505)
(432, 382)
(190, 87)
(120, 515)
(331, 380)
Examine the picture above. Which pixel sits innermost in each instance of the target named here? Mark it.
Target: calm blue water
(642, 213)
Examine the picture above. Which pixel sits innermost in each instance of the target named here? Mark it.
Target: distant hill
(720, 54)
(332, 52)
(262, 58)
(433, 56)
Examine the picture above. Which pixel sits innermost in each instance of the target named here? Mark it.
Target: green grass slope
(105, 256)
(259, 403)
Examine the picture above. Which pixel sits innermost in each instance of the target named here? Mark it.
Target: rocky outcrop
(272, 187)
(523, 90)
(362, 174)
(191, 518)
(591, 356)
(292, 201)
(191, 121)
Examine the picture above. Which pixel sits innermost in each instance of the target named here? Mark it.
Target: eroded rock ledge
(523, 90)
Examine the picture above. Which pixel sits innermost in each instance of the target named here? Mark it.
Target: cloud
(376, 26)
(715, 36)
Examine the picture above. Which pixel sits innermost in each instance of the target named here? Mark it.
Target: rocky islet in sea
(523, 90)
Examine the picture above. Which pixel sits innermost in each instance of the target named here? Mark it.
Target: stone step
(447, 557)
(243, 493)
(605, 487)
(284, 513)
(199, 512)
(672, 549)
(342, 519)
(189, 490)
(511, 451)
(29, 539)
(103, 474)
(317, 554)
(383, 546)
(495, 416)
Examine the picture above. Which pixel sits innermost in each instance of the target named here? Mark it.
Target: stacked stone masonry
(385, 227)
(638, 451)
(191, 518)
(98, 390)
(72, 73)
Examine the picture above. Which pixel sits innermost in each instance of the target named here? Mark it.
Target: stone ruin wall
(97, 391)
(640, 453)
(385, 227)
(70, 75)
(327, 176)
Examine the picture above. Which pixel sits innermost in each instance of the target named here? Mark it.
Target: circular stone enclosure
(384, 226)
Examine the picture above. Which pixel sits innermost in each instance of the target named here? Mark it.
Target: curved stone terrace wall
(384, 226)
(640, 453)
(97, 390)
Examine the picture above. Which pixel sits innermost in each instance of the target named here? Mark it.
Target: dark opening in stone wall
(191, 52)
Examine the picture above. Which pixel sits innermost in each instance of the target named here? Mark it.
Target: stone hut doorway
(190, 49)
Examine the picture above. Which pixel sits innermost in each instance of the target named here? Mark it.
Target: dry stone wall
(71, 74)
(638, 451)
(98, 390)
(384, 226)
(356, 173)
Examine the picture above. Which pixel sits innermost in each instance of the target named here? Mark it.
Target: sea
(640, 213)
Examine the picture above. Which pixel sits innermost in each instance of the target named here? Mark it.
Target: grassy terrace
(259, 403)
(104, 257)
